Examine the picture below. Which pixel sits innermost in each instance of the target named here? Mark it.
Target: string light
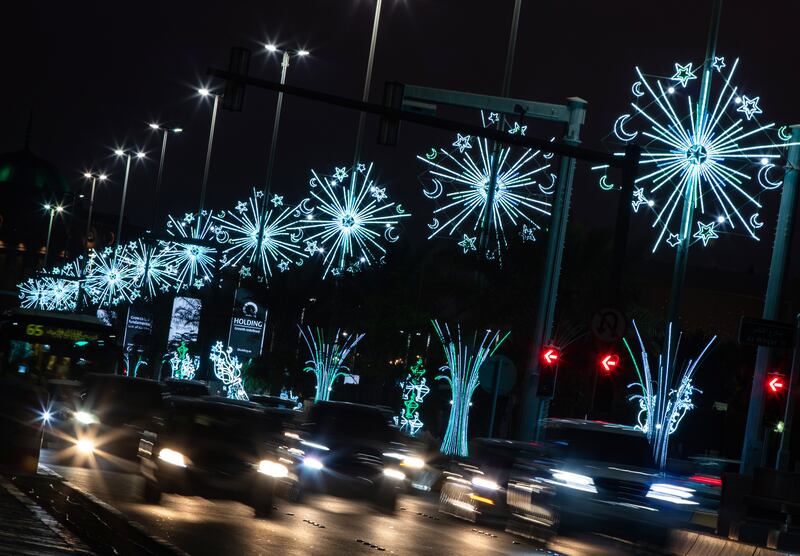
(228, 369)
(327, 358)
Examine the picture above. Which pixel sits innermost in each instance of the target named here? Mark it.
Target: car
(58, 415)
(596, 477)
(276, 402)
(474, 488)
(181, 387)
(350, 448)
(112, 414)
(211, 448)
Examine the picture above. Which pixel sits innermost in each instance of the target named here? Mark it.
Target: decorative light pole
(165, 131)
(94, 177)
(53, 209)
(127, 154)
(368, 80)
(207, 93)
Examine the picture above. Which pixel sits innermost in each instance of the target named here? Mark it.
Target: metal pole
(158, 178)
(49, 232)
(752, 450)
(622, 227)
(691, 186)
(91, 208)
(208, 163)
(548, 289)
(784, 452)
(118, 238)
(498, 367)
(368, 81)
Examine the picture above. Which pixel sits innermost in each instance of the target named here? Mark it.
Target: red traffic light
(776, 383)
(609, 362)
(550, 355)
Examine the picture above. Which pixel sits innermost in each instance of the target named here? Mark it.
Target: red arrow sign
(610, 362)
(550, 356)
(776, 384)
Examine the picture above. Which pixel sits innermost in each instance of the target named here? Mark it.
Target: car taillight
(706, 480)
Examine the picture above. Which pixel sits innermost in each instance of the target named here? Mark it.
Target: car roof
(590, 425)
(503, 443)
(99, 377)
(216, 403)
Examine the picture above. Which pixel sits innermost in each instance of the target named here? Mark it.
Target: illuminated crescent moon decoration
(619, 129)
(297, 236)
(783, 135)
(303, 207)
(432, 154)
(313, 182)
(400, 209)
(299, 262)
(636, 89)
(548, 156)
(754, 222)
(391, 235)
(763, 178)
(550, 188)
(437, 190)
(222, 236)
(435, 224)
(604, 184)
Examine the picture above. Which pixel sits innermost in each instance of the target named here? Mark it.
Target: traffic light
(550, 355)
(609, 362)
(776, 383)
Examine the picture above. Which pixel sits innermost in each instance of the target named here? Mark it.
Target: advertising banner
(185, 323)
(248, 325)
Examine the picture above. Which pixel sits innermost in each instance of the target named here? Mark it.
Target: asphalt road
(321, 525)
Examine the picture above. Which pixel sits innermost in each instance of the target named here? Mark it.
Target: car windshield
(606, 446)
(343, 421)
(113, 393)
(499, 455)
(232, 423)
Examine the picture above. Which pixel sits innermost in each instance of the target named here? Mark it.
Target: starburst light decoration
(110, 278)
(194, 261)
(59, 290)
(665, 396)
(183, 365)
(228, 369)
(260, 238)
(460, 176)
(704, 147)
(414, 391)
(462, 374)
(327, 358)
(154, 273)
(348, 219)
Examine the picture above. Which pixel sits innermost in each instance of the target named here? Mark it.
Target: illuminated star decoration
(283, 266)
(353, 224)
(706, 232)
(258, 239)
(719, 63)
(194, 262)
(699, 150)
(461, 372)
(461, 179)
(683, 74)
(494, 117)
(665, 397)
(468, 243)
(228, 369)
(638, 199)
(673, 239)
(277, 201)
(327, 358)
(340, 174)
(462, 142)
(360, 167)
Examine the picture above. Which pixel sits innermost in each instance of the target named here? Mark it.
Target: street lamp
(53, 209)
(127, 154)
(203, 91)
(166, 130)
(368, 80)
(94, 176)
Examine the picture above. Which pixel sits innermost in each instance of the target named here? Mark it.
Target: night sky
(95, 73)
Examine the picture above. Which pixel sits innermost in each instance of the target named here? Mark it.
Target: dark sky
(95, 73)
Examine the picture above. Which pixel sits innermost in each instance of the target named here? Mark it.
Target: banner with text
(248, 325)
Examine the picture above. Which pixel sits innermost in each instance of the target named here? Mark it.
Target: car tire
(294, 493)
(151, 492)
(263, 499)
(386, 500)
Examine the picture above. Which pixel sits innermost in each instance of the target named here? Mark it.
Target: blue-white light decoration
(260, 238)
(707, 144)
(228, 369)
(327, 358)
(110, 278)
(460, 176)
(665, 397)
(348, 219)
(291, 396)
(194, 261)
(463, 364)
(414, 391)
(57, 291)
(183, 365)
(154, 273)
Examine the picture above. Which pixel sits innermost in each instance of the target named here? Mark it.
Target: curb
(104, 528)
(690, 543)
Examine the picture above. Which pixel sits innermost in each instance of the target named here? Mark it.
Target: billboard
(185, 322)
(248, 325)
(138, 327)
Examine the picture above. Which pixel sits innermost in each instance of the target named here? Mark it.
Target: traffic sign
(609, 325)
(776, 383)
(767, 333)
(507, 374)
(550, 355)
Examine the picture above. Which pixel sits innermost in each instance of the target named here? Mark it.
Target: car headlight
(86, 418)
(574, 481)
(672, 493)
(394, 474)
(313, 463)
(85, 445)
(480, 482)
(273, 469)
(413, 462)
(173, 457)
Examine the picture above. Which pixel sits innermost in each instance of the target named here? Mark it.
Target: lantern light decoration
(183, 365)
(706, 148)
(665, 396)
(327, 358)
(520, 199)
(414, 391)
(348, 220)
(228, 369)
(462, 374)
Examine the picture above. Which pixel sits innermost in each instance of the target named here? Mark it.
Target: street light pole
(52, 210)
(275, 125)
(118, 237)
(166, 131)
(206, 92)
(91, 208)
(368, 81)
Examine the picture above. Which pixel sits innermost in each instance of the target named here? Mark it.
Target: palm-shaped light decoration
(665, 396)
(462, 374)
(348, 219)
(703, 150)
(327, 358)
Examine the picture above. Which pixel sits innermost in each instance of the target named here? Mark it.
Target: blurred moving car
(181, 387)
(595, 477)
(474, 488)
(113, 413)
(65, 396)
(215, 449)
(22, 405)
(346, 448)
(276, 402)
